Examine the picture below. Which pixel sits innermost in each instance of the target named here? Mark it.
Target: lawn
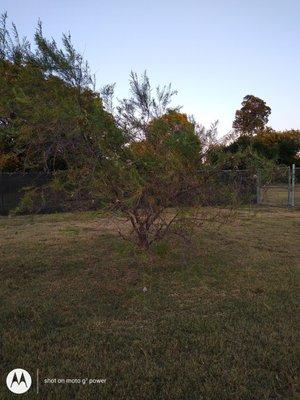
(218, 319)
(278, 196)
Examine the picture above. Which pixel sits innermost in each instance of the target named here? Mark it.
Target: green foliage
(282, 147)
(140, 158)
(173, 132)
(48, 107)
(153, 174)
(252, 117)
(47, 120)
(134, 114)
(265, 147)
(240, 159)
(43, 199)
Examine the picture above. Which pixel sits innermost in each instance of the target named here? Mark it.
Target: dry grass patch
(218, 319)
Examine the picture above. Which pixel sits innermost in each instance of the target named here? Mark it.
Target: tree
(66, 62)
(134, 114)
(141, 157)
(174, 132)
(279, 147)
(12, 47)
(160, 172)
(252, 117)
(282, 147)
(48, 106)
(158, 169)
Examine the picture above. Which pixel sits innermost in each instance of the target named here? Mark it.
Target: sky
(214, 52)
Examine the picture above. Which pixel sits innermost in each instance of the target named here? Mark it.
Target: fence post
(1, 194)
(293, 186)
(289, 186)
(258, 188)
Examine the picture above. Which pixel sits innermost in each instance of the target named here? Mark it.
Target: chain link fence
(13, 186)
(280, 188)
(297, 187)
(228, 187)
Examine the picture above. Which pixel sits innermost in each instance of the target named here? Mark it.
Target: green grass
(218, 320)
(278, 196)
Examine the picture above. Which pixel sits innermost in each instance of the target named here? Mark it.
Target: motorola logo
(18, 381)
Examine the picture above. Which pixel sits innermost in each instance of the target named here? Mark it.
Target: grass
(278, 196)
(218, 320)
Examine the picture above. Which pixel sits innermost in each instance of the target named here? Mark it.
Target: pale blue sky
(213, 51)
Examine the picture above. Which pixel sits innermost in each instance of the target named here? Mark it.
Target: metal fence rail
(297, 187)
(281, 188)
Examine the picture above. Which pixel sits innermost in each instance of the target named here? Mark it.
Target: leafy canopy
(252, 117)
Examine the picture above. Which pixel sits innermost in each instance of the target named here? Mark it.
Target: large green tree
(252, 117)
(48, 107)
